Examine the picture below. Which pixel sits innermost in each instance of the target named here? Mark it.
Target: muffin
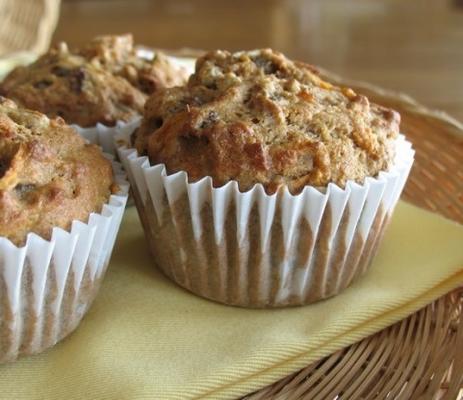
(101, 83)
(266, 186)
(63, 84)
(61, 204)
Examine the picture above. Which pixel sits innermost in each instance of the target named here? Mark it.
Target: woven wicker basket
(420, 357)
(27, 25)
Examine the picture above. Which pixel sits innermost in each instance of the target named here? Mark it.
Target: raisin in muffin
(266, 186)
(104, 82)
(258, 117)
(49, 176)
(60, 210)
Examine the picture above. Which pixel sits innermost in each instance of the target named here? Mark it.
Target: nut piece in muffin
(49, 176)
(117, 54)
(258, 117)
(102, 83)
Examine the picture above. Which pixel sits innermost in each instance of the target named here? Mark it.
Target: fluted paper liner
(252, 249)
(103, 135)
(46, 286)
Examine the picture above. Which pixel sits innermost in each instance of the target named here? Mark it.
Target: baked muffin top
(103, 82)
(258, 117)
(117, 54)
(49, 176)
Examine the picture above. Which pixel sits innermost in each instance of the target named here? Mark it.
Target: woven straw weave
(27, 25)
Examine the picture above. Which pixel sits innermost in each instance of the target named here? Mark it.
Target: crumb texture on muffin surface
(258, 117)
(117, 54)
(104, 81)
(49, 176)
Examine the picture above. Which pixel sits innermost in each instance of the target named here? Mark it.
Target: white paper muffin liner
(103, 135)
(252, 249)
(46, 286)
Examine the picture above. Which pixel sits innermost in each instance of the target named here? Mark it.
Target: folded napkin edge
(266, 376)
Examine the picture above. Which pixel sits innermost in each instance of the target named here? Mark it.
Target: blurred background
(413, 46)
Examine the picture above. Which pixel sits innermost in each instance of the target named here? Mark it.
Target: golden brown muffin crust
(49, 176)
(258, 117)
(117, 54)
(103, 82)
(64, 84)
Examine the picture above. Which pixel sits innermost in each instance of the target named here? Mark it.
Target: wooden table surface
(414, 46)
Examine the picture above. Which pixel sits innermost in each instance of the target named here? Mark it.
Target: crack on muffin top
(258, 117)
(49, 176)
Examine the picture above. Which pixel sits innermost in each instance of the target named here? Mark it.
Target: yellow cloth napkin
(146, 338)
